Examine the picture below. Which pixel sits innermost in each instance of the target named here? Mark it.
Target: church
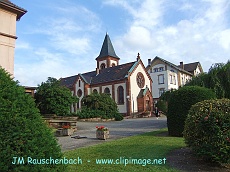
(128, 84)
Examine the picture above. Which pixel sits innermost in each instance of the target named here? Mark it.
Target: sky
(59, 38)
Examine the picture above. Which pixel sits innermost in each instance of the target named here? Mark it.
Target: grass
(145, 146)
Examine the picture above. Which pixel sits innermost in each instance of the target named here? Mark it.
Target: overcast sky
(59, 38)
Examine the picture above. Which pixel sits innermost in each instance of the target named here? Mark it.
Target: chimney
(149, 62)
(97, 71)
(181, 65)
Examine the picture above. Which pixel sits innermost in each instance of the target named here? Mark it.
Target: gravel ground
(117, 129)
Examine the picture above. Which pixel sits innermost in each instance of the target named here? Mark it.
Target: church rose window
(140, 80)
(79, 93)
(107, 91)
(120, 93)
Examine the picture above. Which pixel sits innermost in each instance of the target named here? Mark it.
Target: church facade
(128, 84)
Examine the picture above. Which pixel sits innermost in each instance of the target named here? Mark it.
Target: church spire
(107, 49)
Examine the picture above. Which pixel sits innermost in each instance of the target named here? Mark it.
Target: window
(103, 66)
(161, 69)
(174, 79)
(155, 69)
(160, 79)
(79, 93)
(161, 91)
(140, 79)
(120, 95)
(113, 64)
(95, 91)
(172, 70)
(106, 90)
(79, 83)
(171, 79)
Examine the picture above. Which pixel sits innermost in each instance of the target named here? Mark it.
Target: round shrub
(179, 104)
(22, 132)
(99, 105)
(207, 129)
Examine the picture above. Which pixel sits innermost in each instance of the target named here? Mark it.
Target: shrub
(179, 104)
(207, 129)
(22, 131)
(99, 105)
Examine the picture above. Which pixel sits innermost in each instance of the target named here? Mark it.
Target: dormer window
(155, 69)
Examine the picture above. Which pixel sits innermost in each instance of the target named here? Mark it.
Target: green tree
(22, 131)
(217, 79)
(52, 98)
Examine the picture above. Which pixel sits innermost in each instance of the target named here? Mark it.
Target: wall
(135, 90)
(7, 41)
(154, 75)
(122, 108)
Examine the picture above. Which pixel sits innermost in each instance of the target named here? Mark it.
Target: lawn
(145, 148)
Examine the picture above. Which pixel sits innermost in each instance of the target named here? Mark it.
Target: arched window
(103, 66)
(95, 91)
(106, 90)
(120, 95)
(113, 64)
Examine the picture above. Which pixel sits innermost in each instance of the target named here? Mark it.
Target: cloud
(199, 34)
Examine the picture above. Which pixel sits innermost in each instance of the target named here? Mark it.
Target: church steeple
(107, 48)
(107, 56)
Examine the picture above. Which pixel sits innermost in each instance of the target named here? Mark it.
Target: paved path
(117, 129)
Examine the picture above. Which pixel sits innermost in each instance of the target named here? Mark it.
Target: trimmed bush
(179, 104)
(207, 130)
(22, 131)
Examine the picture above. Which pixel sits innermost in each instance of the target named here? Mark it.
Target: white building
(167, 76)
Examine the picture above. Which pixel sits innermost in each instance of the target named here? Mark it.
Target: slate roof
(190, 67)
(69, 81)
(107, 49)
(110, 74)
(142, 92)
(12, 7)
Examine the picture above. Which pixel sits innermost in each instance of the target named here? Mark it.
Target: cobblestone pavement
(117, 129)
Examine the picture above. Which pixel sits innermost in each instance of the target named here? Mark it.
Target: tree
(22, 131)
(217, 79)
(52, 98)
